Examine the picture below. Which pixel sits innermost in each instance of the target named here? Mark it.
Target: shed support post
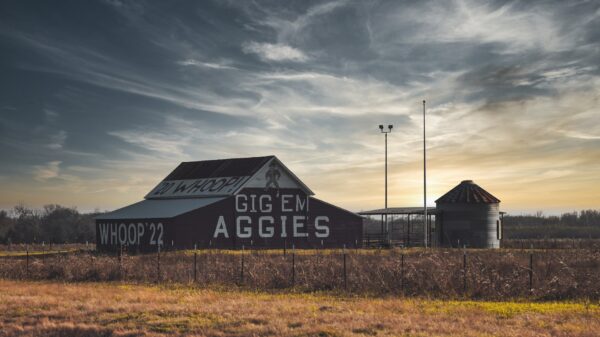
(408, 233)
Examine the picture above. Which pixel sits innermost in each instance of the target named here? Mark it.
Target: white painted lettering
(113, 233)
(301, 203)
(247, 231)
(140, 232)
(160, 229)
(283, 226)
(241, 206)
(153, 229)
(265, 207)
(221, 228)
(253, 203)
(122, 234)
(285, 199)
(103, 233)
(298, 226)
(132, 234)
(266, 232)
(322, 231)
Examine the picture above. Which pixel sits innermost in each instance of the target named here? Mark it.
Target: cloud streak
(274, 52)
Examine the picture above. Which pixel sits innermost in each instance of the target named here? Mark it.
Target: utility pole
(426, 230)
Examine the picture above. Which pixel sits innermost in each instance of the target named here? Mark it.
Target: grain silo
(468, 215)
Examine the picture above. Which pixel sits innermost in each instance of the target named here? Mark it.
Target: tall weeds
(490, 274)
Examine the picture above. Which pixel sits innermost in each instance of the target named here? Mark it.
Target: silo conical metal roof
(467, 192)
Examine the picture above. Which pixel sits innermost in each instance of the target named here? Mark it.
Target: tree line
(581, 225)
(582, 218)
(52, 223)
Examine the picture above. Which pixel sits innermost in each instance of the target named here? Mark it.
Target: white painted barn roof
(158, 209)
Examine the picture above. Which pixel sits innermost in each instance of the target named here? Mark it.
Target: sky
(100, 100)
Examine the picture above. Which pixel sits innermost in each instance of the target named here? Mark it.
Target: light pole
(385, 132)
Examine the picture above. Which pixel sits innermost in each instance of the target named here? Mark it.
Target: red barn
(229, 203)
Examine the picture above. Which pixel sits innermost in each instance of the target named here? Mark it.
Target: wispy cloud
(48, 171)
(192, 62)
(274, 52)
(57, 140)
(168, 145)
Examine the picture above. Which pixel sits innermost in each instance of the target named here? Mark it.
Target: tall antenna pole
(425, 181)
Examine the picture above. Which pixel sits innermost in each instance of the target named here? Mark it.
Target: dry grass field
(113, 309)
(493, 275)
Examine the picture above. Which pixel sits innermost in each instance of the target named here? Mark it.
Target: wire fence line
(440, 273)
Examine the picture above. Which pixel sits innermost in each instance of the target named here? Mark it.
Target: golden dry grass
(109, 309)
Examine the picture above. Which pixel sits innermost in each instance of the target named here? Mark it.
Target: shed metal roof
(399, 210)
(467, 192)
(158, 209)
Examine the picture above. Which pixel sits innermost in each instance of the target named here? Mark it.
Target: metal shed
(229, 203)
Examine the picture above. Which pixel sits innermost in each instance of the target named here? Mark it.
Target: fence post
(195, 263)
(27, 262)
(465, 269)
(402, 272)
(345, 277)
(120, 261)
(293, 265)
(242, 271)
(158, 263)
(530, 271)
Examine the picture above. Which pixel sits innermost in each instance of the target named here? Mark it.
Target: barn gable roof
(218, 168)
(467, 192)
(222, 177)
